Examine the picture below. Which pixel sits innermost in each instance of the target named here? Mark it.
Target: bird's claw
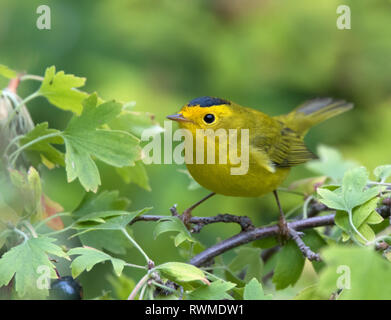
(185, 217)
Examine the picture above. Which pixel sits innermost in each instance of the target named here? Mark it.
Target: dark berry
(65, 288)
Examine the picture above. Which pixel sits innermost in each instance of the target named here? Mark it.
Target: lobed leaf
(174, 224)
(60, 89)
(83, 140)
(88, 257)
(24, 262)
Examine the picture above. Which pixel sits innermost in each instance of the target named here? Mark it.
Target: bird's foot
(185, 217)
(284, 231)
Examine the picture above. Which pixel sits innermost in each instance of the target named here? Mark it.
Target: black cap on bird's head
(207, 102)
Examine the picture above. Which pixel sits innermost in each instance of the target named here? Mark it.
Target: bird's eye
(209, 118)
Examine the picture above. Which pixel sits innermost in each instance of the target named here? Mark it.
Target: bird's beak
(178, 117)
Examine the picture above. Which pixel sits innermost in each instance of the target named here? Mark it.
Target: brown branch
(256, 234)
(199, 222)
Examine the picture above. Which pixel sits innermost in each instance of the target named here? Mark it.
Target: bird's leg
(282, 224)
(186, 215)
(287, 232)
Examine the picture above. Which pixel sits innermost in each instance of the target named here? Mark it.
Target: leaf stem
(31, 77)
(20, 232)
(138, 286)
(305, 206)
(42, 222)
(141, 296)
(350, 215)
(162, 286)
(20, 105)
(58, 231)
(16, 153)
(379, 183)
(131, 265)
(136, 245)
(30, 228)
(12, 142)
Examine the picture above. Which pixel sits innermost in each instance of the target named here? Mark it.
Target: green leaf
(83, 140)
(104, 201)
(111, 240)
(101, 216)
(7, 72)
(188, 249)
(113, 222)
(352, 193)
(254, 291)
(181, 272)
(354, 189)
(248, 259)
(374, 218)
(174, 224)
(362, 272)
(265, 243)
(89, 257)
(60, 89)
(135, 174)
(382, 173)
(330, 163)
(44, 147)
(24, 261)
(289, 266)
(332, 199)
(217, 290)
(361, 216)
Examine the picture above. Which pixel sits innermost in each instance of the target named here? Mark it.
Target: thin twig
(306, 250)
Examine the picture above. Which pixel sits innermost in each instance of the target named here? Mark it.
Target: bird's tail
(313, 112)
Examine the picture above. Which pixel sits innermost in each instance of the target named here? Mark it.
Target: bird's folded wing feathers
(287, 150)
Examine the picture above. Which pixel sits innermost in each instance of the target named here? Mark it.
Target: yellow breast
(219, 178)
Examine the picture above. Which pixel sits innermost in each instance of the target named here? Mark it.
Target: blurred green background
(270, 55)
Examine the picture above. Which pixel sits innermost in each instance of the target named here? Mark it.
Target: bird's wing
(286, 149)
